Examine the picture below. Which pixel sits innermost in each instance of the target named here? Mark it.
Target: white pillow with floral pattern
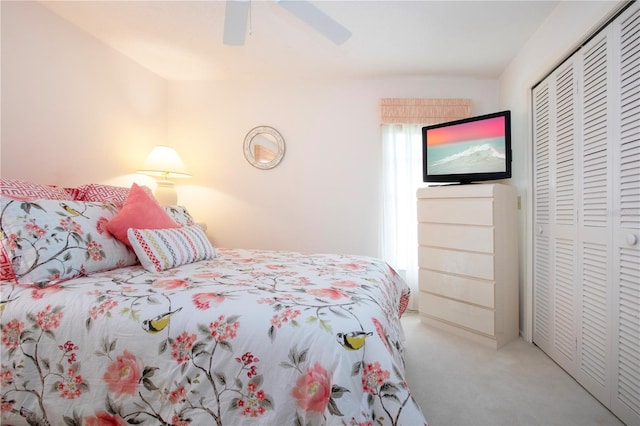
(180, 215)
(48, 241)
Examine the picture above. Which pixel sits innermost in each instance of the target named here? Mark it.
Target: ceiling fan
(237, 11)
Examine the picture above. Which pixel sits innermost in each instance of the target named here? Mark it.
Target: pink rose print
(178, 395)
(11, 240)
(208, 275)
(203, 301)
(104, 308)
(70, 226)
(345, 284)
(123, 374)
(11, 334)
(102, 418)
(70, 387)
(276, 267)
(55, 277)
(6, 405)
(365, 423)
(222, 331)
(330, 293)
(313, 390)
(181, 347)
(94, 249)
(38, 293)
(381, 333)
(170, 284)
(287, 315)
(373, 377)
(352, 266)
(246, 360)
(68, 348)
(49, 318)
(6, 376)
(252, 404)
(34, 230)
(176, 421)
(101, 227)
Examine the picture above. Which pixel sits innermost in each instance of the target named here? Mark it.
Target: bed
(225, 337)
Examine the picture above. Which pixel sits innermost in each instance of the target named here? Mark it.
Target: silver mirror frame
(263, 130)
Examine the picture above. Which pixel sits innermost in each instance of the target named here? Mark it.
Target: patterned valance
(423, 111)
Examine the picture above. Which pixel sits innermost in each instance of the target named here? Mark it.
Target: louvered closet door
(542, 300)
(586, 186)
(564, 218)
(626, 371)
(595, 279)
(555, 248)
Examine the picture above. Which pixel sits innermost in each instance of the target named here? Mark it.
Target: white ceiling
(182, 40)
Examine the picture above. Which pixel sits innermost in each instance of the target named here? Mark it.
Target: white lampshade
(164, 162)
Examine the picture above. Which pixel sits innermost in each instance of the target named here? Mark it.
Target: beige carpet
(459, 382)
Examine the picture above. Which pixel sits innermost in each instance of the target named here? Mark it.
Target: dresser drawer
(468, 238)
(469, 316)
(469, 211)
(477, 265)
(465, 289)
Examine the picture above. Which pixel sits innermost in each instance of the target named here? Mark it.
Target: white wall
(76, 111)
(324, 195)
(73, 110)
(566, 28)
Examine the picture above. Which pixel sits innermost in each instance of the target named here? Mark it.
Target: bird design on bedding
(249, 337)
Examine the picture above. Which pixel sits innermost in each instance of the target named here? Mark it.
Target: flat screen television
(470, 150)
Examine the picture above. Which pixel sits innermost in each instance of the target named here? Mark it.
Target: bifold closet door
(586, 184)
(595, 304)
(625, 401)
(555, 220)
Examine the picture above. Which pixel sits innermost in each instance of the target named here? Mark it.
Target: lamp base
(166, 193)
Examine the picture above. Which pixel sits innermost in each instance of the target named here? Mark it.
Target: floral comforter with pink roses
(250, 337)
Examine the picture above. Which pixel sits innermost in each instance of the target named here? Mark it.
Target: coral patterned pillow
(6, 270)
(160, 249)
(48, 241)
(98, 192)
(23, 190)
(140, 211)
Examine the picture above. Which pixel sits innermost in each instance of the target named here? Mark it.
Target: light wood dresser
(468, 259)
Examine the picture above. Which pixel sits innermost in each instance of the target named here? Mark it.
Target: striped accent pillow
(161, 249)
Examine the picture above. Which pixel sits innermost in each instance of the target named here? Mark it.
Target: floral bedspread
(250, 337)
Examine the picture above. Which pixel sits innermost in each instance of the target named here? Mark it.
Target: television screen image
(468, 150)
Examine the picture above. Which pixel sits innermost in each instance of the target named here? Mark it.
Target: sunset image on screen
(475, 147)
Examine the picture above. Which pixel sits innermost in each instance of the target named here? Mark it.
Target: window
(401, 129)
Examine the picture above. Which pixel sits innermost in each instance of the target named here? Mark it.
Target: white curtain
(401, 177)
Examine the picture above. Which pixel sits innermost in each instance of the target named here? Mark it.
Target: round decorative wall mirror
(264, 147)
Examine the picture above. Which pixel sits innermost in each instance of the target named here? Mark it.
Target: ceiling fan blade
(235, 22)
(317, 19)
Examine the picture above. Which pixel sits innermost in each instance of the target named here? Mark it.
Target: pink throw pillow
(140, 211)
